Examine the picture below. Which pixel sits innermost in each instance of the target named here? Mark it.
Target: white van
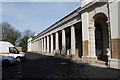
(8, 49)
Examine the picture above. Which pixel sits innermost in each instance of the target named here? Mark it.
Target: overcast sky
(35, 16)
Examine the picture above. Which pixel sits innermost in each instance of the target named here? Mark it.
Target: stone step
(100, 62)
(99, 65)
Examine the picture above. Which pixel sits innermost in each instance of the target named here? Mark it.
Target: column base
(57, 52)
(74, 57)
(89, 59)
(92, 57)
(63, 52)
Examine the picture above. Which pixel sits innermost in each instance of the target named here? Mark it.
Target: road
(38, 66)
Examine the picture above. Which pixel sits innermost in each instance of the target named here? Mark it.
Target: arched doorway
(101, 36)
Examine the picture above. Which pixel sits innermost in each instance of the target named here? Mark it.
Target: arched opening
(101, 36)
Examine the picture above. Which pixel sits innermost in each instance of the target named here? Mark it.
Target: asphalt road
(37, 66)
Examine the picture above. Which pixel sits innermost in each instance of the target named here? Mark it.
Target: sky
(35, 16)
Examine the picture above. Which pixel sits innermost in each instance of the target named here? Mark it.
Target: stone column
(28, 44)
(92, 50)
(47, 44)
(33, 46)
(57, 43)
(63, 52)
(85, 35)
(36, 46)
(44, 44)
(40, 45)
(51, 43)
(73, 40)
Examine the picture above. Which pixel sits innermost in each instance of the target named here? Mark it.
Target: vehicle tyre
(6, 62)
(18, 59)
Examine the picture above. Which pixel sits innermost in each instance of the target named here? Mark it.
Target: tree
(9, 33)
(23, 41)
(28, 33)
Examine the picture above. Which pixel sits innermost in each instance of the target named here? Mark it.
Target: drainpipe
(110, 41)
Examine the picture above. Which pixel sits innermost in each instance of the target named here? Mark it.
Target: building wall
(119, 27)
(87, 17)
(114, 19)
(115, 34)
(114, 22)
(119, 19)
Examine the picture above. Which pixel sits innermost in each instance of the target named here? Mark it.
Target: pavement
(37, 66)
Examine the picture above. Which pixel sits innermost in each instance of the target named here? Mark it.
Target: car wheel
(5, 62)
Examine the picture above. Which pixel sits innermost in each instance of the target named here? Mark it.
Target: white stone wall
(119, 19)
(115, 28)
(114, 19)
(114, 63)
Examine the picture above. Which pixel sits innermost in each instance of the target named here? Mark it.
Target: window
(13, 50)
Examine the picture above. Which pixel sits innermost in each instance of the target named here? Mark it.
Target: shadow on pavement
(38, 66)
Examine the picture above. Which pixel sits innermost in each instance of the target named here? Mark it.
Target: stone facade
(89, 33)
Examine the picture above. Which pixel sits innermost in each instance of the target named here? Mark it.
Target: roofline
(76, 10)
(58, 21)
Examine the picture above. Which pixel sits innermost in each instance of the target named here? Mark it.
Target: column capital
(72, 25)
(51, 34)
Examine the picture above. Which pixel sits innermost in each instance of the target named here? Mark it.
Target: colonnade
(87, 31)
(71, 43)
(46, 44)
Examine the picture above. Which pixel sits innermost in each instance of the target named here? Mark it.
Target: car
(7, 60)
(8, 49)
